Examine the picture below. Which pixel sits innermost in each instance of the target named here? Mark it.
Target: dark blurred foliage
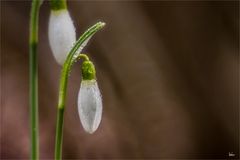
(168, 72)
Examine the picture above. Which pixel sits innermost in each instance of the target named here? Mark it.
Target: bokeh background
(168, 73)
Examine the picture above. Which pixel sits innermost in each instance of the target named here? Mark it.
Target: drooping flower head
(89, 99)
(61, 34)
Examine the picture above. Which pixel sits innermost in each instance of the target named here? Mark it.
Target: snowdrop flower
(89, 99)
(61, 34)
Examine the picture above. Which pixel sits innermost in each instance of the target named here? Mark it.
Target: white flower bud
(90, 105)
(61, 34)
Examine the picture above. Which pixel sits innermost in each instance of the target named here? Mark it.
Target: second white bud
(61, 34)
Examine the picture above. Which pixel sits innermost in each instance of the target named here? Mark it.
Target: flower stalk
(33, 96)
(72, 57)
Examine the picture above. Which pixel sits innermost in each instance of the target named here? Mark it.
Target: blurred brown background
(168, 73)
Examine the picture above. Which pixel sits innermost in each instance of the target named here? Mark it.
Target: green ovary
(88, 71)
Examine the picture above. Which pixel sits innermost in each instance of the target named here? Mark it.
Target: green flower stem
(33, 40)
(72, 57)
(59, 134)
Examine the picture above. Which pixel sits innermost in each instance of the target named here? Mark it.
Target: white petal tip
(90, 131)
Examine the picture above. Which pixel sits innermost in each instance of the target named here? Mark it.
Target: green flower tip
(101, 24)
(88, 70)
(57, 5)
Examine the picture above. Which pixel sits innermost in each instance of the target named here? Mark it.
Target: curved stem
(71, 58)
(33, 40)
(84, 56)
(60, 118)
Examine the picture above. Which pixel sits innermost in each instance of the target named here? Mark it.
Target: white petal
(90, 105)
(61, 34)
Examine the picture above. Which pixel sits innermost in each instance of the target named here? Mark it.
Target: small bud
(90, 105)
(61, 34)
